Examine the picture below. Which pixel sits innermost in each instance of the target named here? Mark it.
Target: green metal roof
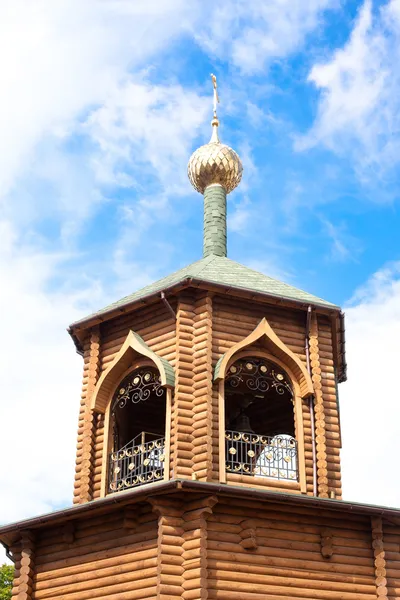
(222, 271)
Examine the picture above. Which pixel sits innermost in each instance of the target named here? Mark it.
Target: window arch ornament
(134, 354)
(265, 335)
(134, 347)
(137, 387)
(258, 375)
(263, 348)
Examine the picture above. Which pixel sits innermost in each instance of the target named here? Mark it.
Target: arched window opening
(138, 413)
(259, 420)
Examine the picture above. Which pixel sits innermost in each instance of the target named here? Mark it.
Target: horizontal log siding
(157, 327)
(391, 544)
(154, 324)
(330, 400)
(195, 546)
(287, 562)
(104, 561)
(233, 321)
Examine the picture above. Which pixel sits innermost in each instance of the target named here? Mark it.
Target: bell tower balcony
(208, 397)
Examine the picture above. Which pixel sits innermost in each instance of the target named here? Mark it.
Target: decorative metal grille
(137, 463)
(258, 375)
(137, 387)
(261, 455)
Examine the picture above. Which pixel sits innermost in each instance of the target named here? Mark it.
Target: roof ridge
(204, 262)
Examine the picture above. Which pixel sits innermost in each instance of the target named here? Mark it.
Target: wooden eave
(78, 329)
(9, 533)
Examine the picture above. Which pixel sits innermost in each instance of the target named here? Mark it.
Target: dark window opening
(138, 413)
(259, 420)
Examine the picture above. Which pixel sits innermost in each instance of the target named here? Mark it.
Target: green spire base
(214, 241)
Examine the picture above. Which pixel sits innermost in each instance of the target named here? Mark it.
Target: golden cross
(216, 97)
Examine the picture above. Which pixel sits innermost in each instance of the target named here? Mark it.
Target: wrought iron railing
(137, 463)
(261, 455)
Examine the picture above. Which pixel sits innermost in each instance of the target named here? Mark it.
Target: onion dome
(215, 163)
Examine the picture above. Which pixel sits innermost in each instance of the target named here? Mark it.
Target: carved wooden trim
(248, 534)
(379, 558)
(326, 543)
(133, 347)
(264, 333)
(320, 437)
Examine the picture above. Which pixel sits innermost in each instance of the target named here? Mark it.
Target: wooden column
(16, 553)
(169, 556)
(182, 406)
(195, 548)
(202, 388)
(379, 558)
(97, 465)
(322, 465)
(26, 571)
(327, 344)
(87, 424)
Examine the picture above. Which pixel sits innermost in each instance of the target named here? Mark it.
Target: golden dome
(215, 163)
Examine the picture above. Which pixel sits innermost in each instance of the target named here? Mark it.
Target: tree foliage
(6, 580)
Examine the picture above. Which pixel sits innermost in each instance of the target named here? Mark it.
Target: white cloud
(344, 246)
(39, 379)
(254, 33)
(369, 400)
(58, 60)
(358, 107)
(147, 128)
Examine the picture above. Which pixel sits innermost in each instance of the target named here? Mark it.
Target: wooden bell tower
(208, 454)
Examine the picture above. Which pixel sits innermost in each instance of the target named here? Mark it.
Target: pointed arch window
(259, 420)
(138, 420)
(135, 395)
(261, 387)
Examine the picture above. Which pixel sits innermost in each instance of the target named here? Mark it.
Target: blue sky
(102, 104)
(312, 211)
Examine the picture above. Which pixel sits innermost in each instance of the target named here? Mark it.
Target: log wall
(107, 557)
(258, 551)
(157, 327)
(233, 321)
(87, 420)
(331, 406)
(206, 327)
(200, 546)
(388, 575)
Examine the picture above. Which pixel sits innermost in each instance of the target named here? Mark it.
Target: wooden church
(208, 454)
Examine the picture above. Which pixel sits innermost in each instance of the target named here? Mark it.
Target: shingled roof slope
(222, 271)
